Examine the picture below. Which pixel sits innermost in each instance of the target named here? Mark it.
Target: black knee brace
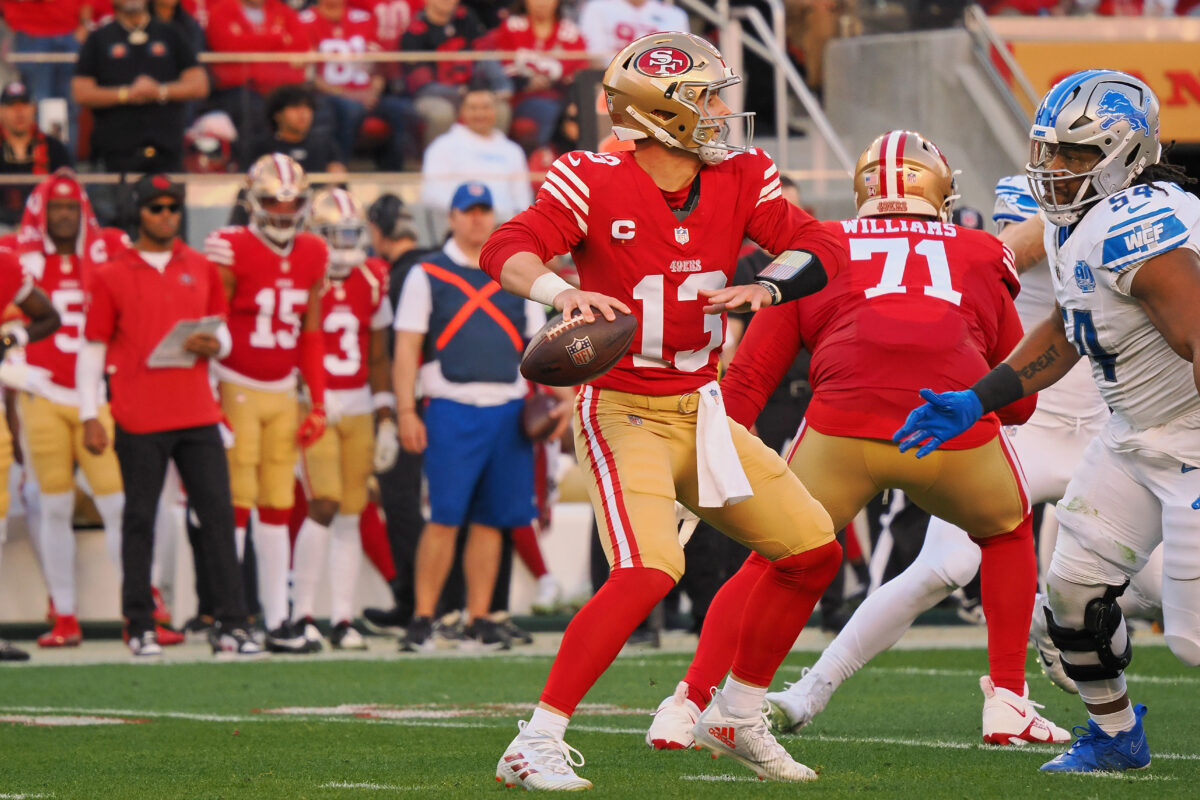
(1101, 618)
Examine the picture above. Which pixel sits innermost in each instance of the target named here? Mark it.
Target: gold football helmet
(278, 193)
(902, 172)
(661, 86)
(338, 218)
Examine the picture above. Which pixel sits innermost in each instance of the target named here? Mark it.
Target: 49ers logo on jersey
(663, 62)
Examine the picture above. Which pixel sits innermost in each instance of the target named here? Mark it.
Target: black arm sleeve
(792, 275)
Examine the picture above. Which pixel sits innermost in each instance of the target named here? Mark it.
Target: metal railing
(987, 45)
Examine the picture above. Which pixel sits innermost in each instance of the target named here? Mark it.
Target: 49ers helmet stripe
(338, 218)
(902, 172)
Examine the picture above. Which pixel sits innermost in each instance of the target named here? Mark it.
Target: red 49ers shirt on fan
(922, 304)
(268, 303)
(355, 33)
(628, 244)
(351, 309)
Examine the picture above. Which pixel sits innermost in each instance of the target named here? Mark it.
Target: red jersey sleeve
(777, 225)
(766, 351)
(14, 283)
(101, 311)
(217, 303)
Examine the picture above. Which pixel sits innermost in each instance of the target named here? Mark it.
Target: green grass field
(907, 726)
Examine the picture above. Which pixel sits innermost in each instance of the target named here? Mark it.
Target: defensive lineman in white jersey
(1124, 250)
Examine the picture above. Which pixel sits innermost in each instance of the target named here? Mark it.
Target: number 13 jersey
(628, 244)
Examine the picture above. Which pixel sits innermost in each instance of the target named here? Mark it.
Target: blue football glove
(940, 419)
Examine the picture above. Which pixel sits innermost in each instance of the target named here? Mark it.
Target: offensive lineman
(657, 230)
(1122, 246)
(273, 274)
(355, 319)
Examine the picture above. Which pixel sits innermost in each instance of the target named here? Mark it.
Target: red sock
(525, 542)
(596, 634)
(777, 609)
(373, 532)
(719, 636)
(1008, 582)
(854, 551)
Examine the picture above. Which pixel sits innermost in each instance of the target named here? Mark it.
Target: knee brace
(1101, 619)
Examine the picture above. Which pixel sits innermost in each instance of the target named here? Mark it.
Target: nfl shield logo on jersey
(581, 351)
(681, 235)
(1084, 277)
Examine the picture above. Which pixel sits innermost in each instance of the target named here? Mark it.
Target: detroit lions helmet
(659, 86)
(1111, 111)
(338, 218)
(902, 172)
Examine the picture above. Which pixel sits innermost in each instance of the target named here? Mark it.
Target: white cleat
(749, 741)
(673, 722)
(1009, 718)
(549, 596)
(797, 705)
(1048, 654)
(537, 761)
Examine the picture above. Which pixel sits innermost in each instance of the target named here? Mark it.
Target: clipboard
(169, 351)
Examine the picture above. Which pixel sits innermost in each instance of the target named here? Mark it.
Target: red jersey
(628, 244)
(921, 304)
(515, 33)
(392, 18)
(131, 307)
(350, 309)
(269, 299)
(230, 31)
(355, 33)
(42, 17)
(14, 283)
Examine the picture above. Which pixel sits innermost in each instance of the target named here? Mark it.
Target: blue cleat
(1096, 751)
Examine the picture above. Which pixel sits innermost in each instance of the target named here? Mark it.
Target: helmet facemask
(279, 226)
(347, 245)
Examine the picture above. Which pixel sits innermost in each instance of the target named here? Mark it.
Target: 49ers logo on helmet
(663, 62)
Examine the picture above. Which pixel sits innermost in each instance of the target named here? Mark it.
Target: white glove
(687, 522)
(387, 446)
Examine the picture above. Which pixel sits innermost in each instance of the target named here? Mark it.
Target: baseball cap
(150, 187)
(15, 92)
(471, 194)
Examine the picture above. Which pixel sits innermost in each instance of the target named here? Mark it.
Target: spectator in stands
(136, 73)
(24, 150)
(290, 111)
(50, 26)
(609, 25)
(135, 299)
(540, 82)
(173, 13)
(392, 18)
(475, 148)
(240, 89)
(437, 86)
(351, 90)
(466, 338)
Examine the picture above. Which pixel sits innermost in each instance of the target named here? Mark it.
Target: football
(536, 416)
(570, 352)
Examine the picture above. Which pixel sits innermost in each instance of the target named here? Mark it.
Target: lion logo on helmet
(1115, 107)
(663, 62)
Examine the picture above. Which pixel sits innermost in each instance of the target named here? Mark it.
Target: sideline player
(273, 274)
(657, 230)
(356, 318)
(1122, 245)
(923, 301)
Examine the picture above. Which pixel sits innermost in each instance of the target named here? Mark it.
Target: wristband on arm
(998, 388)
(312, 366)
(792, 275)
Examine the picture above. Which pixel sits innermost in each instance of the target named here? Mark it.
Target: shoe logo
(724, 735)
(1184, 469)
(1020, 711)
(1136, 746)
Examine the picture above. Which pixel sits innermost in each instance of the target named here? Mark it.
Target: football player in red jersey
(16, 287)
(61, 243)
(273, 273)
(656, 232)
(355, 318)
(923, 302)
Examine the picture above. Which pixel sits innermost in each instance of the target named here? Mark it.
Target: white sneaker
(312, 634)
(549, 595)
(1009, 718)
(1048, 654)
(749, 741)
(536, 760)
(795, 707)
(145, 644)
(673, 722)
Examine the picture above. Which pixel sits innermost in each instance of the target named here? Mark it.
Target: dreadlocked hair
(1164, 171)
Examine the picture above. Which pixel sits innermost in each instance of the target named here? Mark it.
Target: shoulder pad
(1138, 223)
(1014, 202)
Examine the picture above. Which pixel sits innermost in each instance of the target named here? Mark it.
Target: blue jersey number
(1083, 332)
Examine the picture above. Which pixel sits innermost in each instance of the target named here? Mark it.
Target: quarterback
(1122, 244)
(273, 274)
(655, 232)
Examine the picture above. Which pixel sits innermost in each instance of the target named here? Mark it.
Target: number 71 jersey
(268, 303)
(1092, 266)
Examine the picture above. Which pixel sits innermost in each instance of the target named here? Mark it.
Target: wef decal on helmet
(338, 218)
(661, 87)
(1111, 111)
(902, 172)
